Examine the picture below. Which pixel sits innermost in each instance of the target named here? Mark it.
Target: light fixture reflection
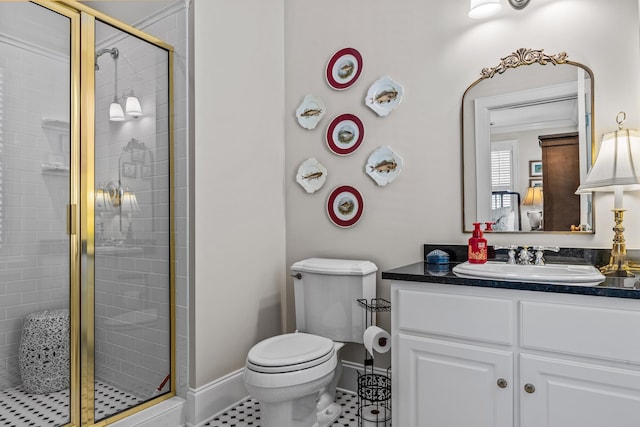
(102, 205)
(129, 205)
(533, 196)
(129, 202)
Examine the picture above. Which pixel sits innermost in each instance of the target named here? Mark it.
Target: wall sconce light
(115, 111)
(615, 170)
(479, 9)
(132, 103)
(132, 106)
(534, 197)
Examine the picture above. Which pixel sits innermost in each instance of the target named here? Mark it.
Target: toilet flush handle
(297, 276)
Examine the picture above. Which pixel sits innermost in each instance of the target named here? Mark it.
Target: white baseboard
(216, 397)
(168, 413)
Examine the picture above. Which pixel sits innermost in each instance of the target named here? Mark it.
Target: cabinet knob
(529, 388)
(502, 383)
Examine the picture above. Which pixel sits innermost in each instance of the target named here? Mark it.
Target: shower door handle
(72, 211)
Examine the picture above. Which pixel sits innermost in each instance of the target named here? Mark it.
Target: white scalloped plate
(311, 175)
(383, 165)
(384, 96)
(310, 111)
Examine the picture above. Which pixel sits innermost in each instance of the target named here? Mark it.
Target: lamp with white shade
(616, 170)
(534, 197)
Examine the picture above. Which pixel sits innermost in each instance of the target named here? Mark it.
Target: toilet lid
(290, 352)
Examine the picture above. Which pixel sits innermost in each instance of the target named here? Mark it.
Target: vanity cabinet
(485, 357)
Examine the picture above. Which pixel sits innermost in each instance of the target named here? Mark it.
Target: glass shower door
(133, 269)
(35, 193)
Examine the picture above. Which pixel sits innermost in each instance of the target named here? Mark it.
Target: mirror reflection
(527, 141)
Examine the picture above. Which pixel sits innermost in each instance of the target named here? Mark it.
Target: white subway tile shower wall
(33, 265)
(34, 261)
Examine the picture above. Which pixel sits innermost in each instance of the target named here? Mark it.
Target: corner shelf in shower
(54, 170)
(57, 133)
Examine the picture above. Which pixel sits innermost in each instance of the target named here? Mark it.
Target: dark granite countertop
(433, 273)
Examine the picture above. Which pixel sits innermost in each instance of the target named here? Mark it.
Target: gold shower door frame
(81, 215)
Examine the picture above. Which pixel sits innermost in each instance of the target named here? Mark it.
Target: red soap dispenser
(477, 246)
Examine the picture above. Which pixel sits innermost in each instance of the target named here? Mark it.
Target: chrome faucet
(511, 252)
(540, 253)
(525, 257)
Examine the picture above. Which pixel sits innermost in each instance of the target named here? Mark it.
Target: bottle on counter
(477, 246)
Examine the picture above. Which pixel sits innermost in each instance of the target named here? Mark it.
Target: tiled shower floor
(21, 409)
(247, 413)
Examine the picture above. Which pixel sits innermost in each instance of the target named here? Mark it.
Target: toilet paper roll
(375, 416)
(376, 339)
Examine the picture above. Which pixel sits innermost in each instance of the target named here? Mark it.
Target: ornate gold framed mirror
(527, 128)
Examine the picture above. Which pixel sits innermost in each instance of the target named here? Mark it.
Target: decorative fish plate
(311, 175)
(345, 133)
(383, 166)
(344, 68)
(384, 96)
(310, 111)
(344, 206)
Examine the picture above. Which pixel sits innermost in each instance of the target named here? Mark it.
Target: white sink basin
(558, 274)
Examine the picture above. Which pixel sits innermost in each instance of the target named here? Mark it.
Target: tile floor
(247, 413)
(21, 409)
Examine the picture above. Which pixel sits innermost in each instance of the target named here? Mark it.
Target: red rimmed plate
(345, 133)
(344, 206)
(344, 68)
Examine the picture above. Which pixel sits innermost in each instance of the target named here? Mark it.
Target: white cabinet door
(446, 384)
(577, 394)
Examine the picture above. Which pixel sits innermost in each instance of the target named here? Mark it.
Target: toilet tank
(326, 293)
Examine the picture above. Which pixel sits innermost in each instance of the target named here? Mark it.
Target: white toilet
(294, 376)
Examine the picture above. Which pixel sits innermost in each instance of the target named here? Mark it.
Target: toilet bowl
(294, 377)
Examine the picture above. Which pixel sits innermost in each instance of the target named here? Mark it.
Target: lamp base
(618, 265)
(619, 270)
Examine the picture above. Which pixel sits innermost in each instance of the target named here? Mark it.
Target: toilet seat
(289, 353)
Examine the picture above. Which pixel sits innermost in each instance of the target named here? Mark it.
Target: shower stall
(86, 217)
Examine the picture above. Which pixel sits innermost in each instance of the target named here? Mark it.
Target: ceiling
(555, 113)
(128, 11)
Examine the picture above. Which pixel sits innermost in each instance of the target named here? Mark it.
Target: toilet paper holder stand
(374, 387)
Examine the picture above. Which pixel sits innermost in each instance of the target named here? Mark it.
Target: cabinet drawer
(600, 332)
(461, 316)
